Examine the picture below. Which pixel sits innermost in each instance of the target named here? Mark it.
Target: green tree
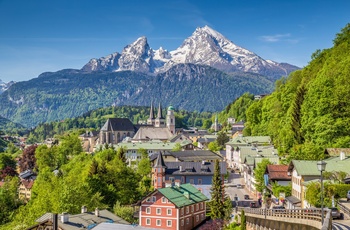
(243, 221)
(219, 206)
(222, 139)
(214, 146)
(124, 212)
(259, 173)
(177, 147)
(7, 160)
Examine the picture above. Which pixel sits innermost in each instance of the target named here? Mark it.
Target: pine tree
(217, 202)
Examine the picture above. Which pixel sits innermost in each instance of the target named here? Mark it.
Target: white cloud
(279, 38)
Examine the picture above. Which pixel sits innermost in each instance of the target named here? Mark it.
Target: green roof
(249, 140)
(177, 195)
(171, 108)
(309, 168)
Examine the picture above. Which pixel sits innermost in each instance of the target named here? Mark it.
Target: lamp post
(321, 165)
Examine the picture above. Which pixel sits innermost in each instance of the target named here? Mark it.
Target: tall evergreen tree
(219, 207)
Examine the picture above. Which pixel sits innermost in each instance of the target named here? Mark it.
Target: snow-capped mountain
(204, 47)
(4, 86)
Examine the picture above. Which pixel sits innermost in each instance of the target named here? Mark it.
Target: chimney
(187, 195)
(64, 218)
(83, 209)
(168, 183)
(180, 168)
(54, 221)
(203, 162)
(97, 212)
(177, 183)
(342, 156)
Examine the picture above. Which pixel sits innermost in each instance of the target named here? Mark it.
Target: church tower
(170, 120)
(158, 172)
(159, 121)
(151, 119)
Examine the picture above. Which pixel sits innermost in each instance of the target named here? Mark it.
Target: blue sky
(40, 35)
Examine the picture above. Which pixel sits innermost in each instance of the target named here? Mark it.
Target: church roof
(151, 112)
(118, 124)
(160, 115)
(152, 133)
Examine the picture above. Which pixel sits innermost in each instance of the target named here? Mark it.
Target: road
(232, 190)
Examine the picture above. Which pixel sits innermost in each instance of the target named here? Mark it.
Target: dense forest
(308, 111)
(94, 120)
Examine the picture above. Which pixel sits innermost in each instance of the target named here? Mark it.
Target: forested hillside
(94, 120)
(309, 110)
(71, 93)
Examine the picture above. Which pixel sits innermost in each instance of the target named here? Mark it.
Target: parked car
(246, 197)
(239, 186)
(254, 205)
(348, 196)
(278, 207)
(335, 213)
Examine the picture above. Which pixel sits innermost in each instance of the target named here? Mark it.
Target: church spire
(151, 113)
(160, 114)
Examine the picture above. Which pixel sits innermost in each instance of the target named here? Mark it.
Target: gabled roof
(193, 168)
(28, 184)
(118, 124)
(337, 151)
(249, 140)
(194, 155)
(278, 172)
(83, 220)
(152, 133)
(178, 195)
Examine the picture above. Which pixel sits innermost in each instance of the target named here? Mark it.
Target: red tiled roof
(28, 183)
(278, 172)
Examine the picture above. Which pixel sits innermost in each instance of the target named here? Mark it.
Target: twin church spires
(159, 121)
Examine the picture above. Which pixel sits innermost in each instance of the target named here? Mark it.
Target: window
(169, 223)
(202, 216)
(187, 209)
(182, 179)
(169, 211)
(159, 211)
(197, 207)
(201, 205)
(148, 210)
(154, 199)
(164, 200)
(182, 211)
(199, 181)
(148, 221)
(192, 208)
(148, 199)
(171, 179)
(197, 218)
(187, 220)
(182, 222)
(159, 223)
(191, 181)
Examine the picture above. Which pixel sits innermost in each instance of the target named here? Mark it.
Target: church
(115, 130)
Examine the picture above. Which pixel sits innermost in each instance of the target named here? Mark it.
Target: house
(204, 141)
(181, 206)
(190, 155)
(115, 130)
(303, 171)
(152, 147)
(198, 174)
(89, 140)
(237, 127)
(235, 144)
(84, 220)
(25, 189)
(250, 162)
(278, 174)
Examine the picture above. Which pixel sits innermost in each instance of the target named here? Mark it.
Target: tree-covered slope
(310, 110)
(70, 93)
